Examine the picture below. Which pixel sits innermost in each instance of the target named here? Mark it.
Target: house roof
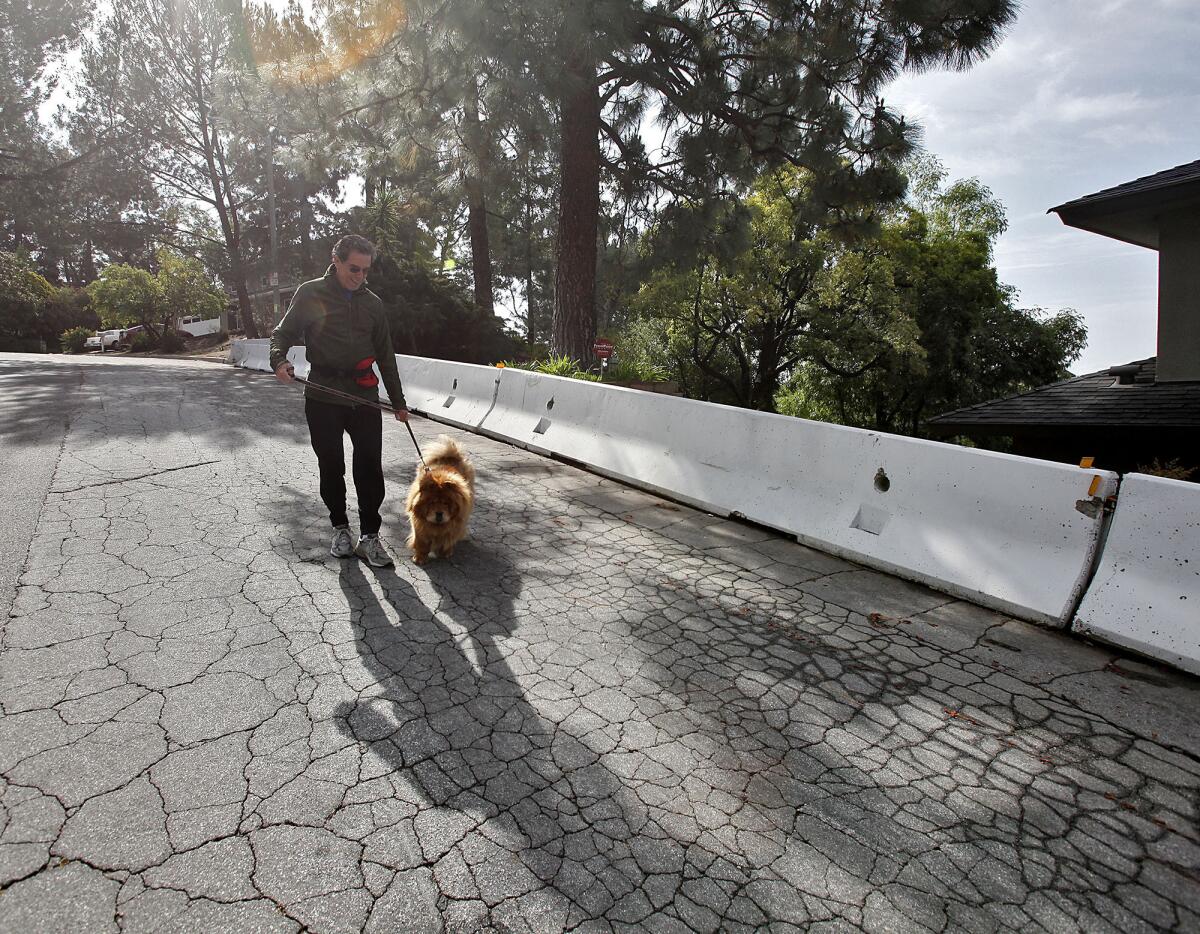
(1096, 400)
(1130, 211)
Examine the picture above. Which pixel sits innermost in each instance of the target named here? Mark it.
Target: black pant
(364, 424)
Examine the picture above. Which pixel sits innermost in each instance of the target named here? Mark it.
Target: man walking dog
(344, 330)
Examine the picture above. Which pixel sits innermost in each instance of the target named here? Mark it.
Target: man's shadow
(448, 716)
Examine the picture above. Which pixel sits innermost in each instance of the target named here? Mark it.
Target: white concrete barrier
(1012, 533)
(200, 328)
(1146, 591)
(459, 393)
(251, 354)
(256, 355)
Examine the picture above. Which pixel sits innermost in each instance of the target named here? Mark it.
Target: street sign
(602, 348)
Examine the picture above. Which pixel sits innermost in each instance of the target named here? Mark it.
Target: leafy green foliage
(124, 296)
(746, 290)
(172, 342)
(557, 365)
(562, 365)
(971, 343)
(143, 341)
(68, 307)
(186, 287)
(634, 371)
(430, 314)
(24, 296)
(739, 88)
(73, 339)
(752, 304)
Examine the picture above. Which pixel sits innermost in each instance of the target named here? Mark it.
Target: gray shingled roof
(1094, 400)
(1168, 178)
(1130, 212)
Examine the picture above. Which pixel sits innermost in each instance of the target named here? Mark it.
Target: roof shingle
(1168, 178)
(1095, 400)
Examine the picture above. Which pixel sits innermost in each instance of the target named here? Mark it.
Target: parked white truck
(114, 339)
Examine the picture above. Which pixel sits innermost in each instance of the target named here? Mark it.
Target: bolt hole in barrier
(882, 483)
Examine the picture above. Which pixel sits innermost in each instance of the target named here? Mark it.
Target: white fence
(1013, 533)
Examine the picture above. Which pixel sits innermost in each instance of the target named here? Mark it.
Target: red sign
(603, 348)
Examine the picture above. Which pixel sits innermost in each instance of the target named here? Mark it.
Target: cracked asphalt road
(607, 712)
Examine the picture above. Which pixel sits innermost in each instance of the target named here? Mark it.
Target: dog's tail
(446, 452)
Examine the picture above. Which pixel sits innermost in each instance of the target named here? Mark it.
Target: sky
(1080, 95)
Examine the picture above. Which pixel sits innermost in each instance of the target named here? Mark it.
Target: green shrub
(172, 342)
(142, 341)
(73, 339)
(635, 371)
(556, 366)
(1173, 469)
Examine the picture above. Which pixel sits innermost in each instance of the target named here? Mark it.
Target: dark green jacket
(338, 331)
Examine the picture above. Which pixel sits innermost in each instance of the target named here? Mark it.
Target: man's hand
(285, 372)
(401, 415)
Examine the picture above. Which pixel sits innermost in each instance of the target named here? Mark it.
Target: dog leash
(358, 400)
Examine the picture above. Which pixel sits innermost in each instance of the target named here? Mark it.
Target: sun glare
(348, 34)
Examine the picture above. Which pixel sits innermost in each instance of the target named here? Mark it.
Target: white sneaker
(343, 543)
(371, 550)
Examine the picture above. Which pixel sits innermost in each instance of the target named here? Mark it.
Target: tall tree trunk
(477, 156)
(227, 210)
(578, 214)
(307, 266)
(767, 379)
(227, 214)
(532, 334)
(245, 308)
(87, 266)
(481, 258)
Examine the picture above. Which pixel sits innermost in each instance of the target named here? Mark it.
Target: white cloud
(1098, 107)
(1080, 96)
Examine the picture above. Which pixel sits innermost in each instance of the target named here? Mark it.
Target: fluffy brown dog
(440, 500)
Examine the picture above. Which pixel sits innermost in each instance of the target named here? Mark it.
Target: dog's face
(439, 499)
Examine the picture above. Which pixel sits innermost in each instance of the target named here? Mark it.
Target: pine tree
(738, 86)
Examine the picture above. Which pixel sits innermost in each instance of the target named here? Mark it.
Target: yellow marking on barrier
(1095, 484)
(1087, 462)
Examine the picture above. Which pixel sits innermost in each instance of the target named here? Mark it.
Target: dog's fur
(440, 500)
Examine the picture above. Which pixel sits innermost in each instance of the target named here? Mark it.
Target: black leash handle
(358, 400)
(417, 446)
